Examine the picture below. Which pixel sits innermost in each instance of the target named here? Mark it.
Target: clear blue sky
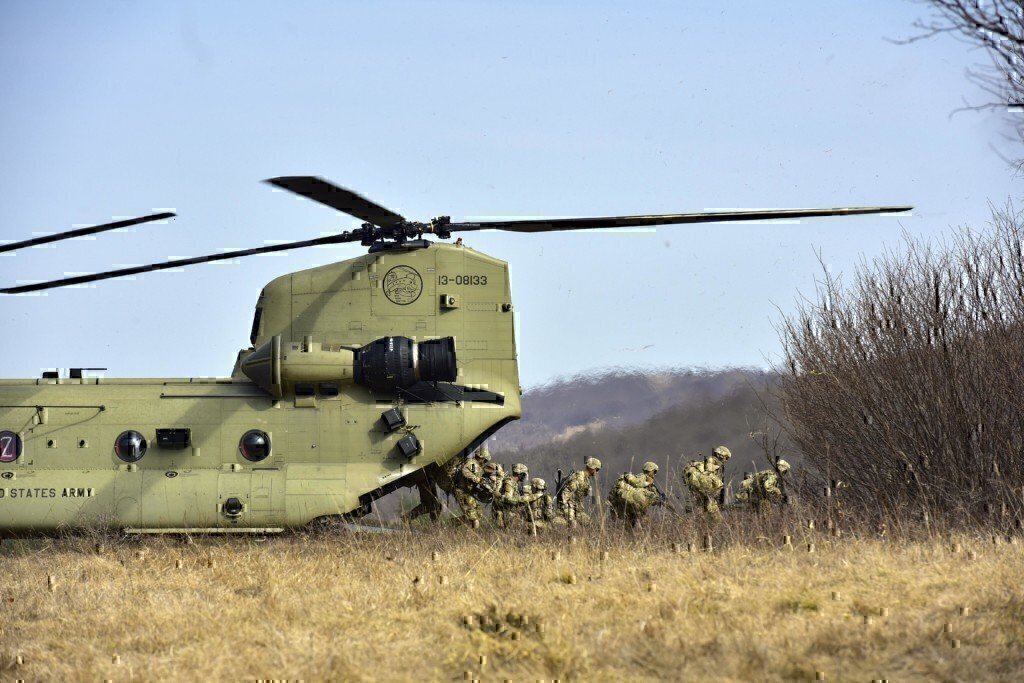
(473, 109)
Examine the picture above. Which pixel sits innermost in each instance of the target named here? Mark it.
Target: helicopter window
(10, 446)
(130, 446)
(255, 445)
(328, 389)
(304, 390)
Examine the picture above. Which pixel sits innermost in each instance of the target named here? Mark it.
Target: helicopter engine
(393, 363)
(384, 366)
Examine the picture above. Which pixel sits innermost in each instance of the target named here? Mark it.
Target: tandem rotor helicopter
(363, 376)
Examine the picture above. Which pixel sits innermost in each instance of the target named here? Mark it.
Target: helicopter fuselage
(311, 424)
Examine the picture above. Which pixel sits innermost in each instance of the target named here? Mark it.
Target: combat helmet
(538, 484)
(483, 454)
(650, 468)
(722, 453)
(520, 468)
(593, 464)
(782, 466)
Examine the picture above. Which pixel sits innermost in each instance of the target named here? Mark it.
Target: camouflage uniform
(570, 498)
(439, 476)
(470, 483)
(510, 503)
(491, 477)
(543, 505)
(633, 494)
(704, 479)
(761, 489)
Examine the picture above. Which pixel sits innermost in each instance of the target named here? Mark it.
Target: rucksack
(618, 489)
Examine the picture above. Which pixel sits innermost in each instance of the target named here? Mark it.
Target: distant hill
(612, 400)
(627, 418)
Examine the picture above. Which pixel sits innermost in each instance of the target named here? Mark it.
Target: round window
(130, 446)
(10, 446)
(255, 445)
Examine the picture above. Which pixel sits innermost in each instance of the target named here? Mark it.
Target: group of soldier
(516, 499)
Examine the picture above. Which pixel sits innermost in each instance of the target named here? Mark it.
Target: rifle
(662, 498)
(561, 482)
(484, 491)
(663, 501)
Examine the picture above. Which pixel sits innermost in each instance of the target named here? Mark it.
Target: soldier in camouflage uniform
(633, 494)
(761, 489)
(704, 478)
(543, 505)
(444, 476)
(470, 485)
(511, 498)
(570, 497)
(430, 503)
(492, 475)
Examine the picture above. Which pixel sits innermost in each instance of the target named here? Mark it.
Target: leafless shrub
(907, 384)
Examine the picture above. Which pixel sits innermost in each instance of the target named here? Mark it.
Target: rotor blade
(347, 201)
(548, 224)
(84, 231)
(134, 270)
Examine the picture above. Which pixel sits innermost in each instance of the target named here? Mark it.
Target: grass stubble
(449, 603)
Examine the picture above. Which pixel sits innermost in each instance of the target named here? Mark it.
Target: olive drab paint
(325, 449)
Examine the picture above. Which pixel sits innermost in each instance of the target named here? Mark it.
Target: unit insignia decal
(402, 285)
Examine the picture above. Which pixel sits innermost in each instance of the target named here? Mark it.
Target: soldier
(492, 475)
(470, 485)
(439, 476)
(430, 502)
(704, 478)
(761, 489)
(633, 494)
(543, 505)
(574, 490)
(510, 498)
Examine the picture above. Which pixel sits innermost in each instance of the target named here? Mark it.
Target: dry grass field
(450, 603)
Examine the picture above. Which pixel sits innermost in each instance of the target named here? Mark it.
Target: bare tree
(996, 26)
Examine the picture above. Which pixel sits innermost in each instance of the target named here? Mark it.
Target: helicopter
(362, 377)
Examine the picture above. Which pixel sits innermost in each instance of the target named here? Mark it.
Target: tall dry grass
(436, 604)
